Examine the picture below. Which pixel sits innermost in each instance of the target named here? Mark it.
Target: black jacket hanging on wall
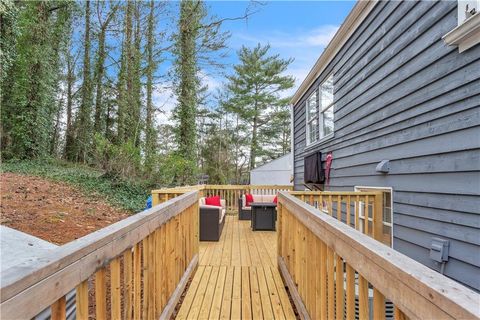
(313, 172)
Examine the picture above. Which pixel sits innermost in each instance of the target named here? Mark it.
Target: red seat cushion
(248, 199)
(213, 201)
(275, 200)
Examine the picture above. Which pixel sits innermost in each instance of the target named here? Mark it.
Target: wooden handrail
(29, 288)
(230, 193)
(346, 206)
(343, 260)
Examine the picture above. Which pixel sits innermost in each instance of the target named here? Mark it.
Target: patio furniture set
(259, 209)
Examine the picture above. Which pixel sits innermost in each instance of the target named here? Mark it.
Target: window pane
(327, 119)
(312, 106)
(313, 131)
(326, 92)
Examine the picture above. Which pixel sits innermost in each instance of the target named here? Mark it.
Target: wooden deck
(237, 278)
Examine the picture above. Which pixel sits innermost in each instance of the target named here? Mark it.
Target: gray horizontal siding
(401, 94)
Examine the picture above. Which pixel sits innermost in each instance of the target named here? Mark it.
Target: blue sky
(297, 29)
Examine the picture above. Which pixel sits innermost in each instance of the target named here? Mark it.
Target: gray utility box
(439, 250)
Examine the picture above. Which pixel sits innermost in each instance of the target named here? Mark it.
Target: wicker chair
(212, 220)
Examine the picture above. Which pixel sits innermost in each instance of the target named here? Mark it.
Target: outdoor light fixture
(383, 166)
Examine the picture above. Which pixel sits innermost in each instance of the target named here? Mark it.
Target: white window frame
(323, 109)
(361, 209)
(467, 32)
(310, 120)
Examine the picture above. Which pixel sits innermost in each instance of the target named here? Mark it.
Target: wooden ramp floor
(237, 278)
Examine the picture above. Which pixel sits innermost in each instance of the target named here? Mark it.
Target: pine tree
(255, 88)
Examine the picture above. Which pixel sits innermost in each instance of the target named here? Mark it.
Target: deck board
(237, 277)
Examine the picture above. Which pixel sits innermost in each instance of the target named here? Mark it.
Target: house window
(326, 108)
(366, 212)
(312, 118)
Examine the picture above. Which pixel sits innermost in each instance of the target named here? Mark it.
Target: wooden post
(378, 217)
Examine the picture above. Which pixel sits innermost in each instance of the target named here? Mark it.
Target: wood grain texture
(132, 241)
(416, 290)
(237, 278)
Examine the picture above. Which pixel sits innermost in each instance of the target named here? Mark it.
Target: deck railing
(330, 268)
(134, 269)
(359, 209)
(231, 193)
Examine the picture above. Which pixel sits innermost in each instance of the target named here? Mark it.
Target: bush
(122, 161)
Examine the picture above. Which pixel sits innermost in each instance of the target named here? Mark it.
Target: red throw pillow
(213, 201)
(275, 200)
(248, 199)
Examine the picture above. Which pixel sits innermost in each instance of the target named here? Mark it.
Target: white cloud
(318, 37)
(305, 46)
(321, 36)
(163, 100)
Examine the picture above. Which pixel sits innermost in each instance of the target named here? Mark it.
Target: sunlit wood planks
(237, 278)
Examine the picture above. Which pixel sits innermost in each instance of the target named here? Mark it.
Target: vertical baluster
(81, 301)
(115, 296)
(339, 208)
(350, 293)
(137, 281)
(330, 207)
(59, 309)
(399, 315)
(378, 218)
(128, 284)
(339, 288)
(349, 218)
(366, 214)
(151, 276)
(100, 294)
(357, 212)
(363, 298)
(146, 277)
(378, 305)
(331, 283)
(323, 281)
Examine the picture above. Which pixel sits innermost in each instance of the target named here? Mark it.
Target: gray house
(395, 101)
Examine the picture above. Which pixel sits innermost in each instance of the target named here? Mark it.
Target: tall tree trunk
(254, 142)
(100, 112)
(83, 125)
(149, 119)
(186, 64)
(69, 134)
(99, 124)
(125, 80)
(136, 81)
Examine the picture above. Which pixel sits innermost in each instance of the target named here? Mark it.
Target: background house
(388, 87)
(275, 172)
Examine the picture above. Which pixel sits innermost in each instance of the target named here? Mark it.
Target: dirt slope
(52, 211)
